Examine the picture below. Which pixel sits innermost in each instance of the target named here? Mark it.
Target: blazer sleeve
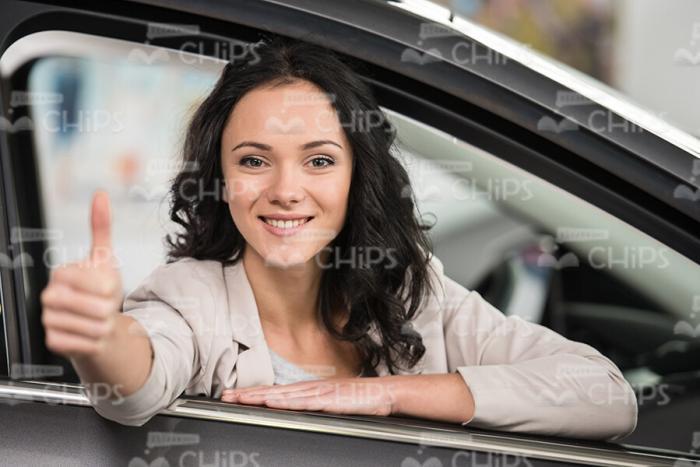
(174, 353)
(525, 377)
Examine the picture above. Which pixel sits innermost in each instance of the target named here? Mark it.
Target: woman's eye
(322, 161)
(254, 160)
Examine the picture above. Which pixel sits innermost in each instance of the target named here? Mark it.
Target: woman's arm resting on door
(442, 397)
(525, 377)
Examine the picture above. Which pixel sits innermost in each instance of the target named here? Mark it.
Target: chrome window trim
(403, 432)
(573, 79)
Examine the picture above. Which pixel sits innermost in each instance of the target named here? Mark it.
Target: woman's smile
(284, 226)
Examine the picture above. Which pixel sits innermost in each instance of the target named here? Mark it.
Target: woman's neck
(287, 299)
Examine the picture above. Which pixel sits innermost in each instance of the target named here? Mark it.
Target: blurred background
(647, 49)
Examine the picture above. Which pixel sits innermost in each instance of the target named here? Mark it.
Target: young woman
(302, 279)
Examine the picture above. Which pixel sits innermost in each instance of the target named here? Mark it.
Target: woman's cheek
(332, 192)
(245, 191)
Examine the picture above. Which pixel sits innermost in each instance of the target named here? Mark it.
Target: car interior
(529, 247)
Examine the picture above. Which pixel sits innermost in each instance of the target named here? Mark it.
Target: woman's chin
(285, 259)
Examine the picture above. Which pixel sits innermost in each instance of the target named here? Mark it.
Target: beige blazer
(204, 327)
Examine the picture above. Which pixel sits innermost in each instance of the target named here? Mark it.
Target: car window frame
(439, 117)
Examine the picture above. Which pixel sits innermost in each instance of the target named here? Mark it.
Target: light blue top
(287, 372)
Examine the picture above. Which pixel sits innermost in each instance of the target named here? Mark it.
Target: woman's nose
(286, 187)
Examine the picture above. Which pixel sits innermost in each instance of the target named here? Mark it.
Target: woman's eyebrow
(320, 142)
(261, 146)
(266, 147)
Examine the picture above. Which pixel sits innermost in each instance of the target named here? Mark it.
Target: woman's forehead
(299, 110)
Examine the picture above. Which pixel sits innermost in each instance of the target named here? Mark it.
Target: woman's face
(287, 166)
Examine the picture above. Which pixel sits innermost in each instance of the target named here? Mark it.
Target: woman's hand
(360, 396)
(411, 395)
(82, 300)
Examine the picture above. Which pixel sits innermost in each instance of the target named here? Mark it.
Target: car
(555, 197)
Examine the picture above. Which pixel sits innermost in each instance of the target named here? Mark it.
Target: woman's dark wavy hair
(380, 213)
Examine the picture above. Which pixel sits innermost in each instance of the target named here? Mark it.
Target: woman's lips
(284, 232)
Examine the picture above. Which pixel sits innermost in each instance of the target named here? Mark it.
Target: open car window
(555, 259)
(109, 114)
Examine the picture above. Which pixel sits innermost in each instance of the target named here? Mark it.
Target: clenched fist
(82, 300)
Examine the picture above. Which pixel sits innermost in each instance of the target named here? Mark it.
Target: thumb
(100, 224)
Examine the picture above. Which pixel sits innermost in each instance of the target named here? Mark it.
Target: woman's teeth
(286, 224)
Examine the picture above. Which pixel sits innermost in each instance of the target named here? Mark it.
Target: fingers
(64, 297)
(330, 401)
(281, 388)
(312, 403)
(100, 224)
(333, 396)
(313, 400)
(86, 277)
(71, 344)
(57, 319)
(263, 395)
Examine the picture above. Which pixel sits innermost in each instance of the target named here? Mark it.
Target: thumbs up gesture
(82, 300)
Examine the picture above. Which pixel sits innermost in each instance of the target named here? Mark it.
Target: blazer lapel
(254, 365)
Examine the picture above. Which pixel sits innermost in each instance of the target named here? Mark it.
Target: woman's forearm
(442, 397)
(124, 364)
